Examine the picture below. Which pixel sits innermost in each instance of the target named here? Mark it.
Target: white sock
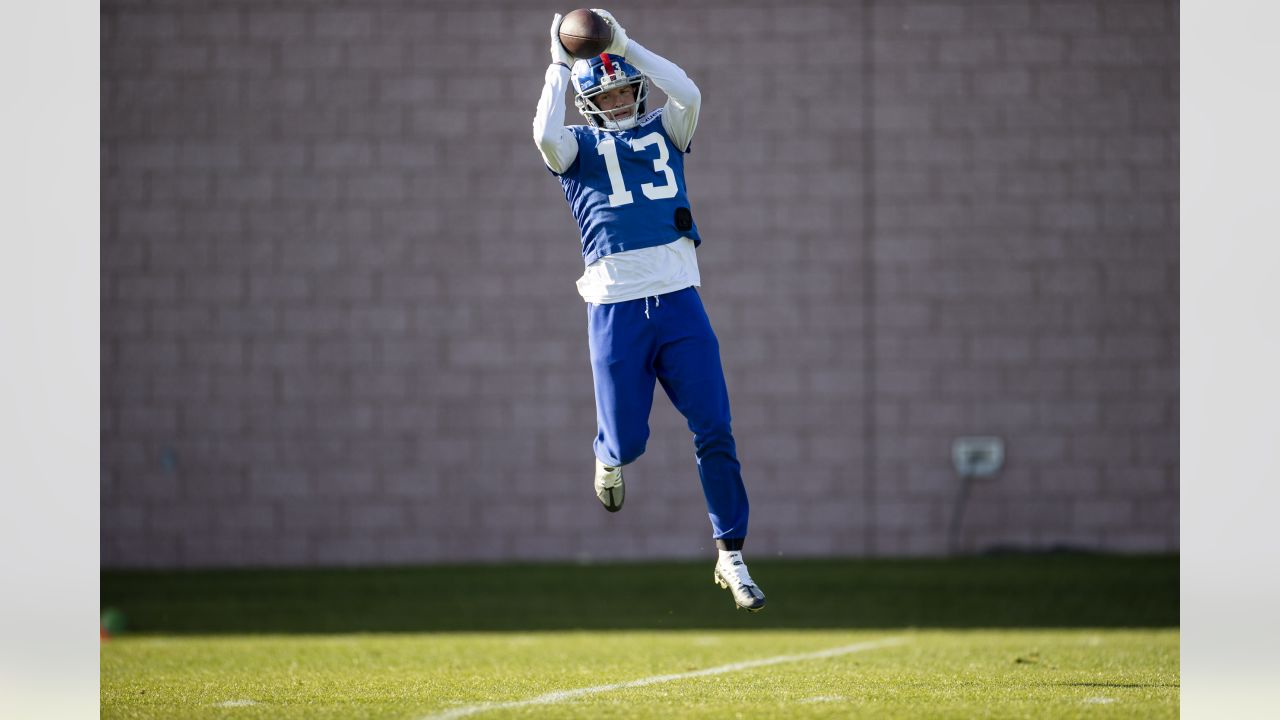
(728, 556)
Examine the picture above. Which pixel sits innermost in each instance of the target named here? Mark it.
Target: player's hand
(620, 39)
(558, 53)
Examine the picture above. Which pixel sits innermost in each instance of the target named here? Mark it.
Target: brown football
(585, 34)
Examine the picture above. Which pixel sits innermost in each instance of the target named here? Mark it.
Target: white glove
(619, 44)
(558, 54)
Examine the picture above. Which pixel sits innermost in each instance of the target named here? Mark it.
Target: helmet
(601, 74)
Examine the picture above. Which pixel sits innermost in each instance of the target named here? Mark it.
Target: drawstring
(657, 302)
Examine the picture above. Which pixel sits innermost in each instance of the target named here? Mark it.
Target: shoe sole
(724, 584)
(608, 506)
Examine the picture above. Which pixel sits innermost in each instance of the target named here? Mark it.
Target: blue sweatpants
(669, 339)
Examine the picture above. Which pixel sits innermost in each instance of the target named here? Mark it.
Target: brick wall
(339, 323)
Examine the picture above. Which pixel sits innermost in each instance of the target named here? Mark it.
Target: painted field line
(562, 695)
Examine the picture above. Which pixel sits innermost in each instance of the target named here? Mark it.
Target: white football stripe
(562, 695)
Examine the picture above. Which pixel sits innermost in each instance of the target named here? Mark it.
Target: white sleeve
(680, 114)
(557, 143)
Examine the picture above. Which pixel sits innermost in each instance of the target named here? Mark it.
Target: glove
(558, 54)
(620, 39)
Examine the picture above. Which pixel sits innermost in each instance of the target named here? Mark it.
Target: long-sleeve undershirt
(557, 144)
(650, 271)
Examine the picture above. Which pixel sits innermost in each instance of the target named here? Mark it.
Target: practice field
(1054, 636)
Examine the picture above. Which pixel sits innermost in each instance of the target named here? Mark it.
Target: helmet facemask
(604, 74)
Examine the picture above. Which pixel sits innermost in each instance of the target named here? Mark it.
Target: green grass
(1007, 591)
(1057, 636)
(962, 674)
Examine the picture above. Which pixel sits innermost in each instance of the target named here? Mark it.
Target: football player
(623, 175)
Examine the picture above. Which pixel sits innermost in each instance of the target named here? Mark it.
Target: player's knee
(713, 437)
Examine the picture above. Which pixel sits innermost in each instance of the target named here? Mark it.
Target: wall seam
(868, 281)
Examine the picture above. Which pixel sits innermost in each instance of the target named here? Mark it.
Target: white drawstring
(657, 302)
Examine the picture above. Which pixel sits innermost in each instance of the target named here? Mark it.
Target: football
(585, 34)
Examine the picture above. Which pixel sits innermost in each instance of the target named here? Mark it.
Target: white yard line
(562, 695)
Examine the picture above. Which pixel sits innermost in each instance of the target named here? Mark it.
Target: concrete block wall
(339, 323)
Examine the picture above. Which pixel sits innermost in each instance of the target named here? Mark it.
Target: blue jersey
(626, 189)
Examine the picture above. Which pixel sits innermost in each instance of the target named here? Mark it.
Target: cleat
(609, 486)
(732, 576)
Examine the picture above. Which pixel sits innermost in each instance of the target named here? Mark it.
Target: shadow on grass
(1013, 591)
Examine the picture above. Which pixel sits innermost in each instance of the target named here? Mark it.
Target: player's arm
(556, 142)
(680, 114)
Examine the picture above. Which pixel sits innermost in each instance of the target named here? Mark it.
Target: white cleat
(609, 486)
(731, 574)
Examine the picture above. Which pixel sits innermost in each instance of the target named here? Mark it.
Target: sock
(729, 556)
(730, 543)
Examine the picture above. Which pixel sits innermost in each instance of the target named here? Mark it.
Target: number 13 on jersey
(621, 195)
